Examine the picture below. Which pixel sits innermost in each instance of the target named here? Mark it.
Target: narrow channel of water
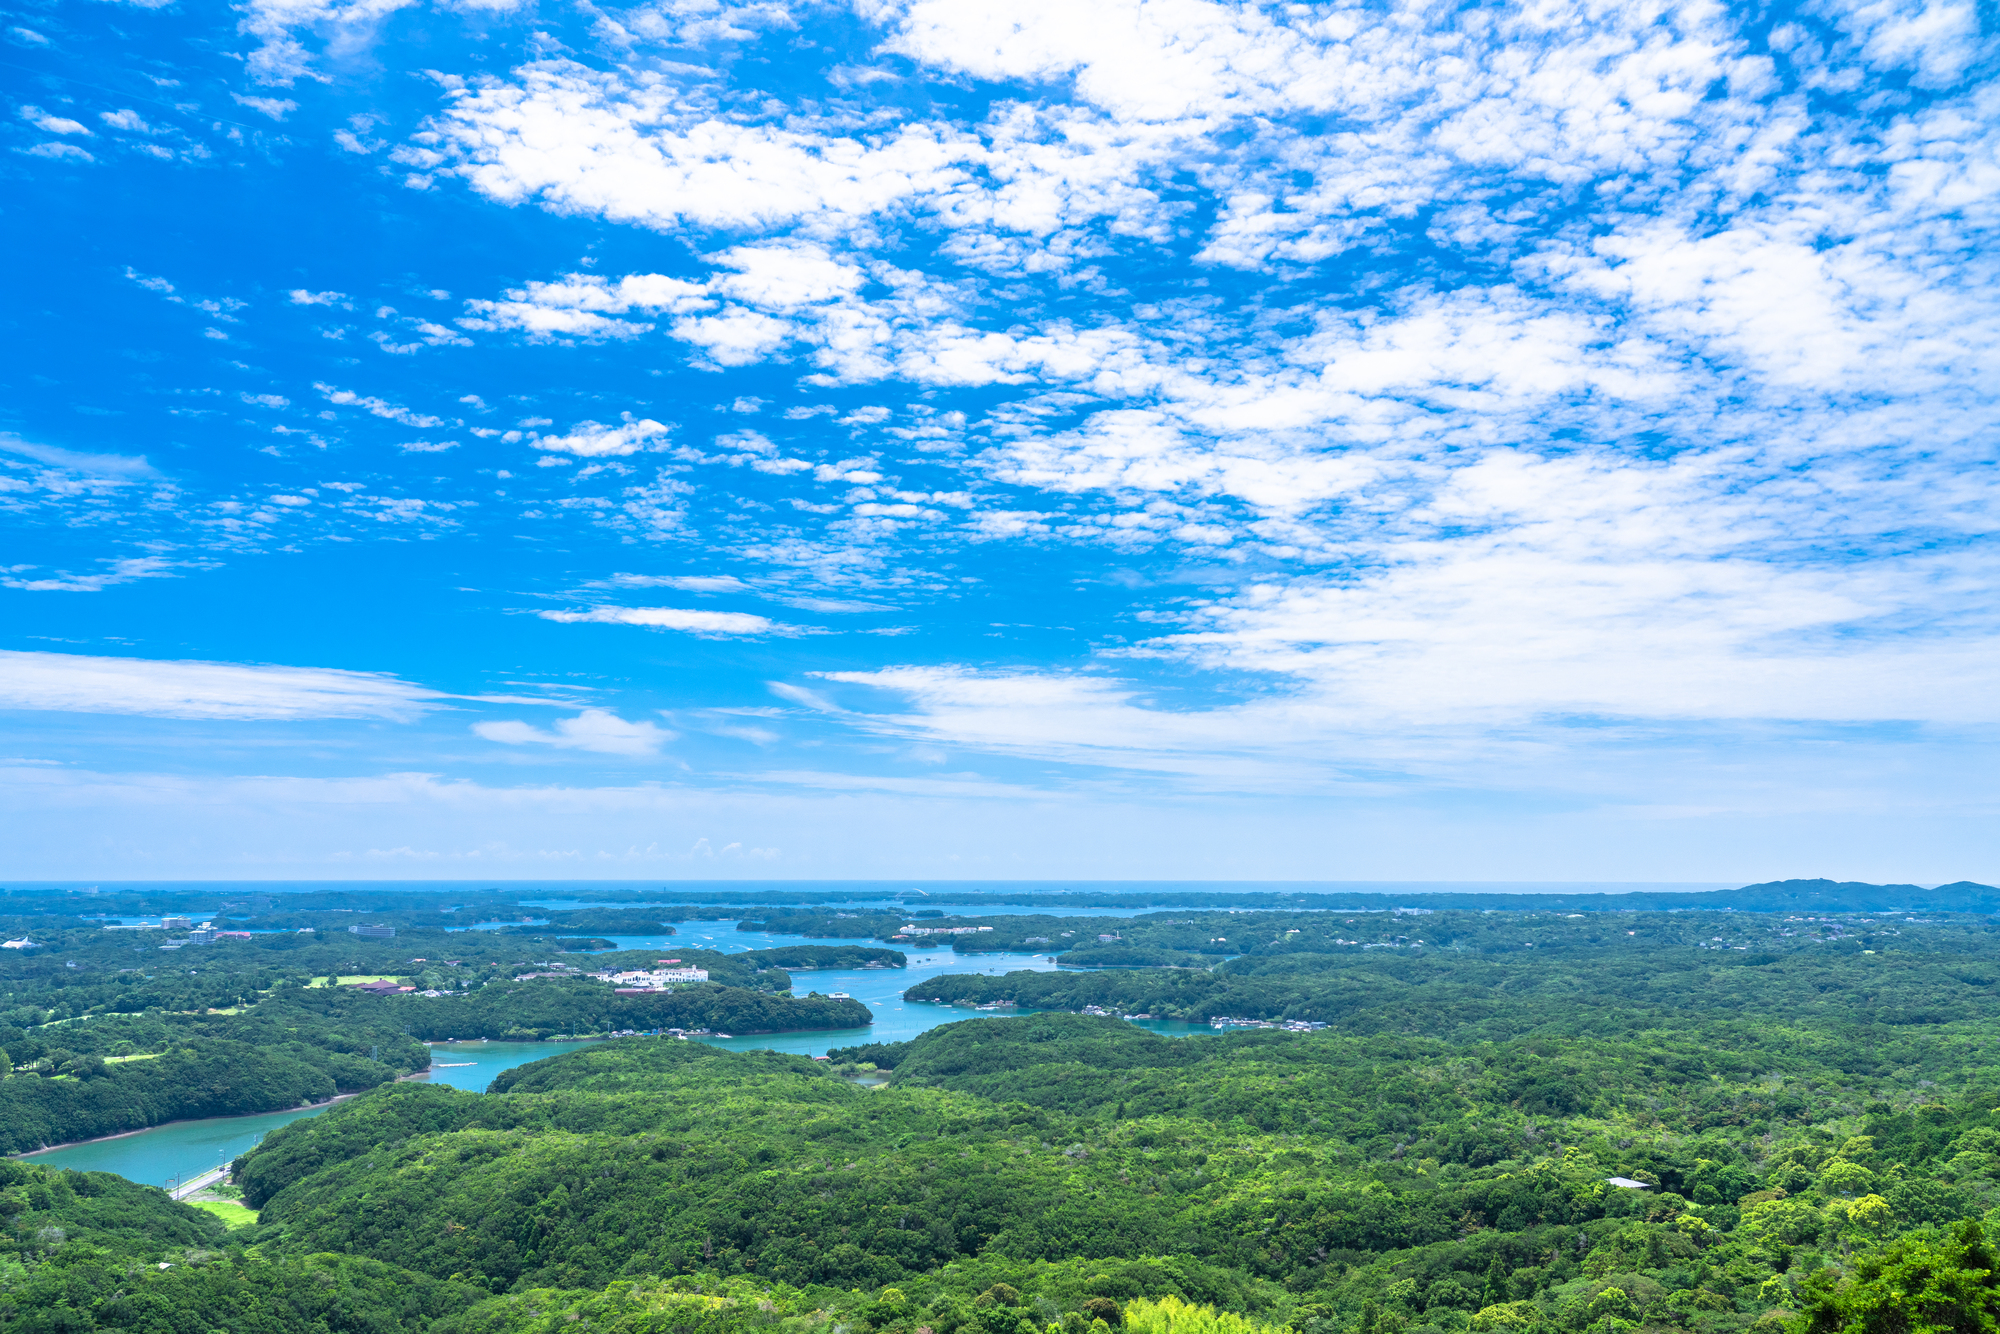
(180, 1150)
(880, 989)
(170, 1154)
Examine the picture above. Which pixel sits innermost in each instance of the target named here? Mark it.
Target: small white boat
(838, 995)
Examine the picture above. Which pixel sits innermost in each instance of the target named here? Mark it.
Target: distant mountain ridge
(1771, 896)
(1856, 896)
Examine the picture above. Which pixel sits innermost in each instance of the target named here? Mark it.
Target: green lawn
(228, 1211)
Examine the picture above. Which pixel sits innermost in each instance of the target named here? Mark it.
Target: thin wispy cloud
(81, 683)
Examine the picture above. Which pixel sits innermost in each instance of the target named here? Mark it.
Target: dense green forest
(1805, 1102)
(532, 1011)
(1061, 1169)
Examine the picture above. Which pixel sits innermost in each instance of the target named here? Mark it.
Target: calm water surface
(185, 1148)
(880, 989)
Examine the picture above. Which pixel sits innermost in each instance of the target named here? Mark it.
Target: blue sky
(523, 438)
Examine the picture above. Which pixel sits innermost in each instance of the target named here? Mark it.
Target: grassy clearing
(135, 1056)
(348, 980)
(228, 1211)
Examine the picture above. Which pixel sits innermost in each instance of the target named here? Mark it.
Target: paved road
(200, 1183)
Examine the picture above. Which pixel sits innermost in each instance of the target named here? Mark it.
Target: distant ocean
(696, 891)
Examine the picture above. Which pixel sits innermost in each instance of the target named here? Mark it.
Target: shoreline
(343, 1097)
(192, 1120)
(238, 1116)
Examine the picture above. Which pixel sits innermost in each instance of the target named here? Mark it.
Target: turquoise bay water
(880, 989)
(185, 1148)
(182, 1149)
(170, 1154)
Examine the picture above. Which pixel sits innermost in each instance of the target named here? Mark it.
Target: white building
(657, 977)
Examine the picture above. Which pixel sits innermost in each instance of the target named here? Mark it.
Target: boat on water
(838, 995)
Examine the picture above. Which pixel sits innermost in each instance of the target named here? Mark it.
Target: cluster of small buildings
(635, 982)
(1285, 1025)
(647, 981)
(902, 932)
(197, 933)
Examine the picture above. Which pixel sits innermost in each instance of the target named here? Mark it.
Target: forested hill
(1335, 1184)
(1495, 976)
(1804, 1105)
(1851, 896)
(1807, 1108)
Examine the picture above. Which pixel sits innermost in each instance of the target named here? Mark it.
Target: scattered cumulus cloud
(596, 730)
(596, 440)
(378, 407)
(32, 579)
(1624, 362)
(60, 152)
(277, 108)
(53, 124)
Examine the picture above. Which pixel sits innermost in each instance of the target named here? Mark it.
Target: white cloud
(301, 297)
(277, 108)
(706, 623)
(596, 440)
(1604, 358)
(834, 606)
(687, 583)
(59, 151)
(379, 407)
(52, 124)
(116, 572)
(581, 305)
(786, 276)
(581, 141)
(735, 337)
(76, 683)
(100, 465)
(280, 56)
(597, 730)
